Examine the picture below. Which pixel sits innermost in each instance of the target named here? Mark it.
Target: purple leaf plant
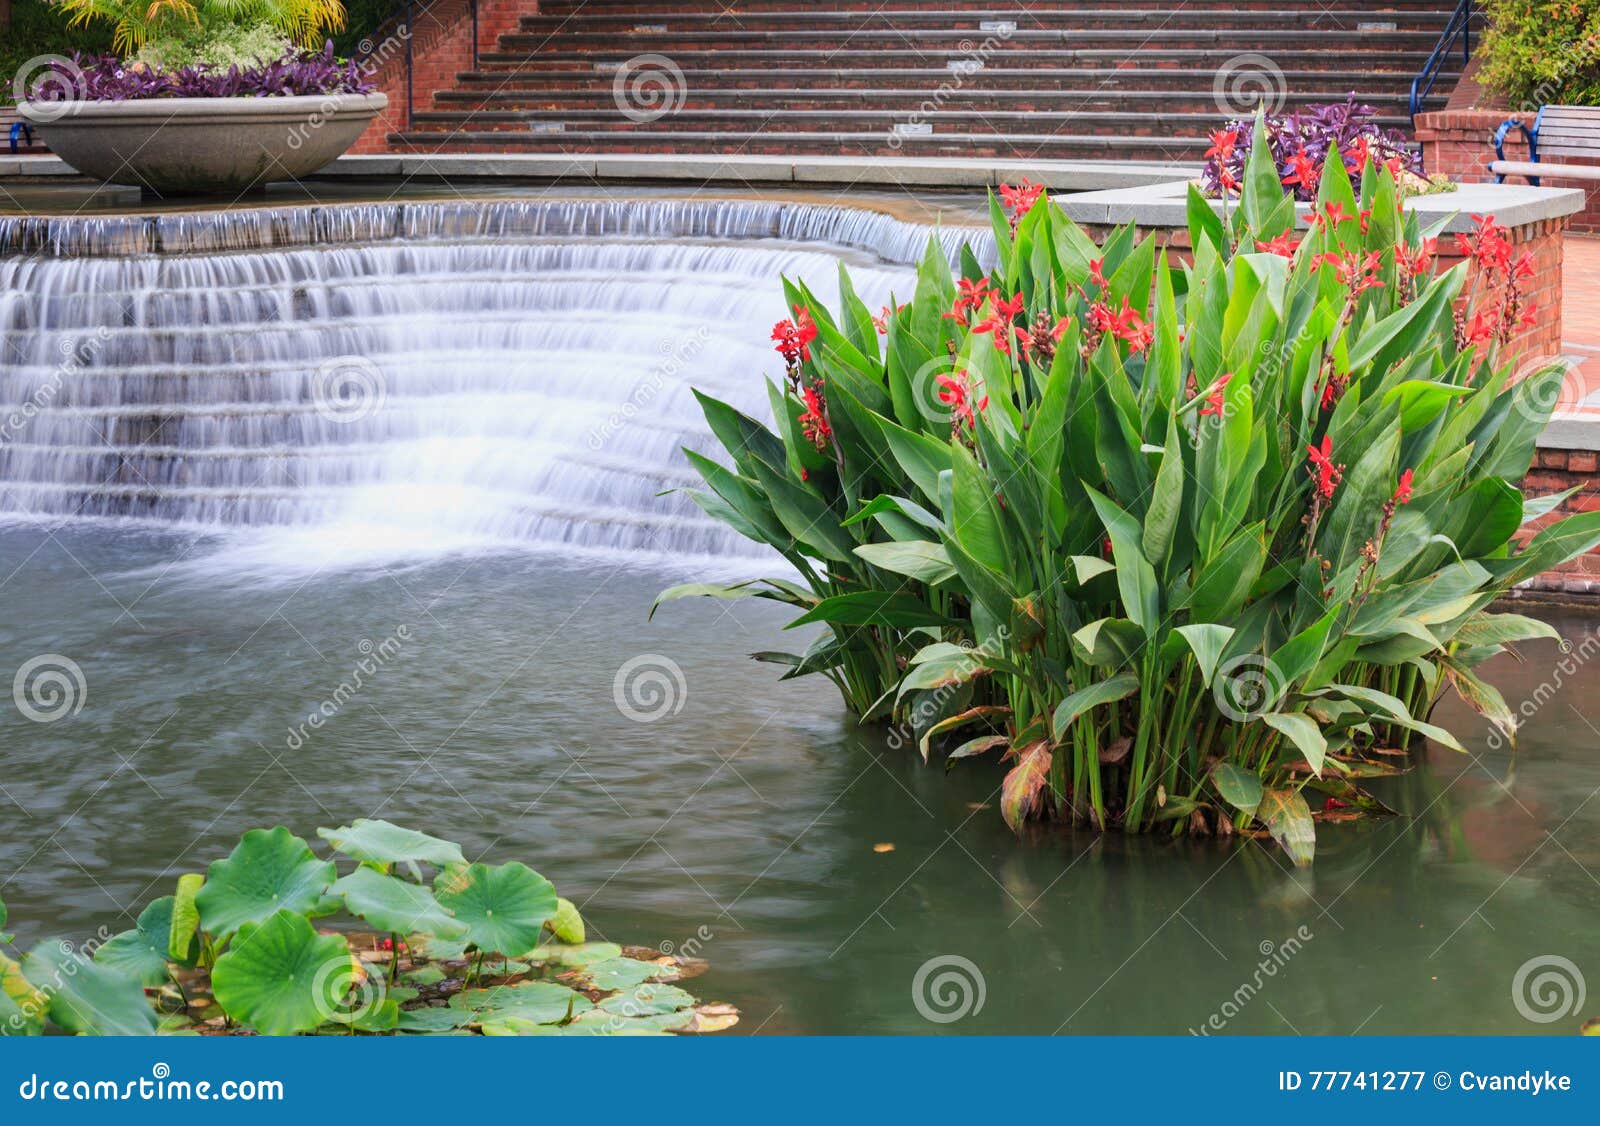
(109, 79)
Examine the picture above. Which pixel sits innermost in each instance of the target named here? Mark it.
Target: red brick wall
(441, 48)
(1555, 471)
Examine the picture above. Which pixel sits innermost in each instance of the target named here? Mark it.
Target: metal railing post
(411, 36)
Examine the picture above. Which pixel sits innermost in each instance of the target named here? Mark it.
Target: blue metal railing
(1459, 28)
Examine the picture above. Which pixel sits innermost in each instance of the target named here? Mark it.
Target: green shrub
(1183, 544)
(37, 29)
(220, 44)
(1540, 51)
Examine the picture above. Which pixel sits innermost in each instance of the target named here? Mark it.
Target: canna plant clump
(1190, 547)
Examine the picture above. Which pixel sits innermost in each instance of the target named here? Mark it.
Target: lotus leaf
(282, 977)
(393, 905)
(504, 907)
(270, 870)
(384, 844)
(87, 998)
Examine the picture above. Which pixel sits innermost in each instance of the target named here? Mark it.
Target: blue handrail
(1459, 28)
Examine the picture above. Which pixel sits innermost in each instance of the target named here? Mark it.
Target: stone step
(588, 19)
(1398, 63)
(555, 102)
(965, 42)
(1328, 85)
(659, 9)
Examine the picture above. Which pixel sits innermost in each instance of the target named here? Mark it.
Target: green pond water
(747, 823)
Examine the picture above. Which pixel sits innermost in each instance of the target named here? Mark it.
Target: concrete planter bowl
(191, 146)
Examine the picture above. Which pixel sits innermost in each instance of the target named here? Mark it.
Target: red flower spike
(1402, 491)
(1214, 397)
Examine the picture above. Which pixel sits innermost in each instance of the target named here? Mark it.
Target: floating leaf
(270, 870)
(504, 907)
(582, 954)
(621, 973)
(542, 1002)
(281, 977)
(381, 843)
(647, 999)
(442, 1019)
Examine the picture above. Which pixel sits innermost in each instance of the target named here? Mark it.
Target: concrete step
(1122, 39)
(1024, 147)
(779, 121)
(1311, 85)
(588, 19)
(555, 102)
(659, 9)
(1405, 63)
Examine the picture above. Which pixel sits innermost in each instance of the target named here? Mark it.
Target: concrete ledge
(1572, 430)
(1165, 205)
(712, 169)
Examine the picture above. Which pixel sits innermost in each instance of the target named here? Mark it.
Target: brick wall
(1555, 471)
(1457, 141)
(440, 49)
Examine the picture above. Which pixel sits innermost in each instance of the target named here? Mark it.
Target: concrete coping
(1166, 205)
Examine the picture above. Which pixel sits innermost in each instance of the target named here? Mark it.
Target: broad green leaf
(1117, 687)
(1238, 787)
(541, 1002)
(282, 977)
(270, 870)
(566, 924)
(504, 907)
(394, 905)
(1207, 641)
(379, 842)
(86, 998)
(926, 562)
(872, 608)
(1022, 785)
(142, 952)
(1303, 731)
(185, 931)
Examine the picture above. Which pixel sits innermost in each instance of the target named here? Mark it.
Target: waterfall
(501, 371)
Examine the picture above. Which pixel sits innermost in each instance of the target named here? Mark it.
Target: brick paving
(1580, 322)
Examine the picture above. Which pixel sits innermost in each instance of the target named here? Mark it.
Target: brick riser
(835, 77)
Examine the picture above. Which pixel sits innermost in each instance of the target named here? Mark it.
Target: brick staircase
(1050, 79)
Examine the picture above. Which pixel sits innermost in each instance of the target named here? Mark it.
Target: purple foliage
(1313, 131)
(109, 79)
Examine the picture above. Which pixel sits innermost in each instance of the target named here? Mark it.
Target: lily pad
(270, 870)
(424, 975)
(379, 842)
(504, 907)
(282, 977)
(542, 1002)
(582, 954)
(393, 905)
(87, 998)
(440, 949)
(142, 951)
(436, 1020)
(603, 1022)
(649, 999)
(622, 973)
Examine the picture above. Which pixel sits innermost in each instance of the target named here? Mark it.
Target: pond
(482, 528)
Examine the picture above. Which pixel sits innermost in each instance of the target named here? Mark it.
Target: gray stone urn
(186, 146)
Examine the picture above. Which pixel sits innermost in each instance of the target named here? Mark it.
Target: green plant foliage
(84, 997)
(270, 870)
(1183, 540)
(1541, 51)
(133, 23)
(504, 907)
(394, 905)
(239, 969)
(384, 845)
(281, 977)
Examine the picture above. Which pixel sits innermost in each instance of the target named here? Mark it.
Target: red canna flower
(881, 321)
(1095, 266)
(1214, 396)
(1129, 325)
(1303, 173)
(1416, 261)
(1020, 199)
(1402, 491)
(956, 393)
(1222, 143)
(1327, 474)
(998, 322)
(1284, 245)
(970, 296)
(1332, 216)
(794, 337)
(1359, 152)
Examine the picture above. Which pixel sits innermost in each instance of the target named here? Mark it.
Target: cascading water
(427, 373)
